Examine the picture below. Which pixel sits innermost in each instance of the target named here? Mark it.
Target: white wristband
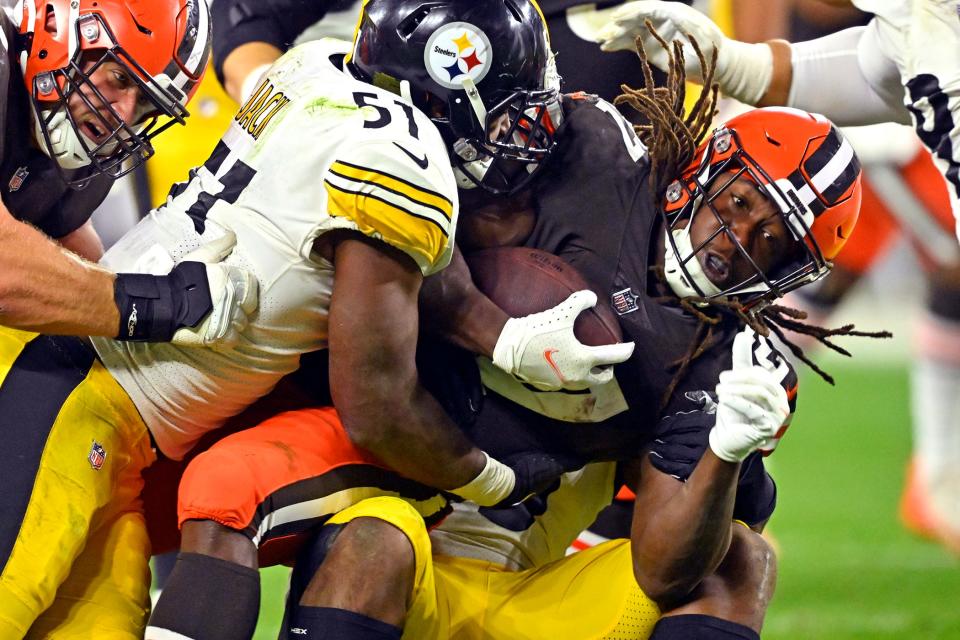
(744, 70)
(504, 352)
(491, 485)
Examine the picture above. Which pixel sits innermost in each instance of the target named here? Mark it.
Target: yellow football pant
(588, 595)
(73, 542)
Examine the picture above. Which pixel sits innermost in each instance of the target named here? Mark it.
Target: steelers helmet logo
(455, 51)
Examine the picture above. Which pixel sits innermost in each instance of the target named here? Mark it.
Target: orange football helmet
(802, 164)
(163, 47)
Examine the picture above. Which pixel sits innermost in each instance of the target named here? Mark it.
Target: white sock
(935, 383)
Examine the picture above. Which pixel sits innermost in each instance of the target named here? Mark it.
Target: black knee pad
(698, 627)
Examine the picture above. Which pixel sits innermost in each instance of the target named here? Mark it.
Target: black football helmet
(481, 69)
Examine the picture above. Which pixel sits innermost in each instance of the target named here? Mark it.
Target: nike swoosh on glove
(542, 350)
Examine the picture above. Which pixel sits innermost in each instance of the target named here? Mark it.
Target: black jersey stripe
(45, 373)
(935, 132)
(397, 178)
(393, 191)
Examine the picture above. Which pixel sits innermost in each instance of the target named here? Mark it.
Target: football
(521, 281)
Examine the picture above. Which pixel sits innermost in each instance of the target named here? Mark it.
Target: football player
(340, 240)
(372, 198)
(902, 68)
(690, 246)
(86, 89)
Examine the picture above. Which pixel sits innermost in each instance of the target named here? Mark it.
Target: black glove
(682, 437)
(152, 308)
(451, 376)
(536, 472)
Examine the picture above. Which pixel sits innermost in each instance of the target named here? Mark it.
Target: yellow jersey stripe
(393, 183)
(379, 185)
(418, 235)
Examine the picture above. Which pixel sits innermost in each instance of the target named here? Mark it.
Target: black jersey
(596, 210)
(31, 183)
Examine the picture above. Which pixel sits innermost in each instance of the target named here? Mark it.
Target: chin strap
(65, 146)
(473, 95)
(701, 286)
(405, 92)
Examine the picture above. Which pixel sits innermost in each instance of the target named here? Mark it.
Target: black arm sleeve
(276, 22)
(681, 441)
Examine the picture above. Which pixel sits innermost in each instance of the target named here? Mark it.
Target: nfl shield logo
(18, 177)
(97, 455)
(624, 301)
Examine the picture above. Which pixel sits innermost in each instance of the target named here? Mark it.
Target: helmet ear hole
(409, 24)
(50, 21)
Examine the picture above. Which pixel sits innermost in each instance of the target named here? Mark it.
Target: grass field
(848, 571)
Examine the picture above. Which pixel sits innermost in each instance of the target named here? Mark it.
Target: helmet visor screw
(45, 83)
(89, 29)
(722, 142)
(673, 191)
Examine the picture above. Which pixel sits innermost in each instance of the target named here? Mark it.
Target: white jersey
(312, 150)
(532, 534)
(921, 39)
(904, 66)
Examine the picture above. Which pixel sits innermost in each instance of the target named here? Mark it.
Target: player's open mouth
(94, 131)
(716, 268)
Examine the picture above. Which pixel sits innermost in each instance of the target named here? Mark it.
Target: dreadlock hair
(675, 137)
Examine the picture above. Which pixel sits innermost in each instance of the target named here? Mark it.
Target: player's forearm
(453, 308)
(249, 58)
(373, 327)
(411, 434)
(44, 288)
(681, 538)
(828, 75)
(392, 416)
(778, 91)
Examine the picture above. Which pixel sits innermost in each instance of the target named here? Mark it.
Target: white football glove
(752, 405)
(233, 291)
(541, 349)
(743, 70)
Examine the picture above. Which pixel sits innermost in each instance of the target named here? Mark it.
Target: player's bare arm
(454, 308)
(373, 376)
(741, 587)
(40, 281)
(681, 530)
(48, 289)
